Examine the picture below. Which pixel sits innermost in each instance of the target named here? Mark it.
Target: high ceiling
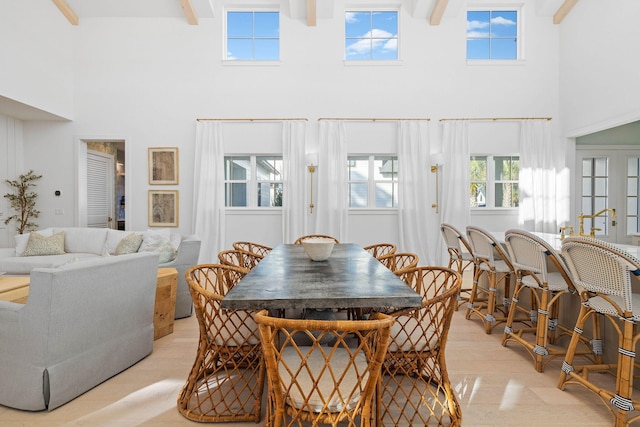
(193, 10)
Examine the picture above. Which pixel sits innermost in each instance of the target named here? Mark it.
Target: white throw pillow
(152, 240)
(129, 244)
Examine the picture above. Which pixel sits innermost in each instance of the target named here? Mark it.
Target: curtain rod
(252, 119)
(371, 119)
(500, 118)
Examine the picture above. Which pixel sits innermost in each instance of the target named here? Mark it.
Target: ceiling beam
(563, 10)
(67, 11)
(189, 12)
(311, 13)
(438, 11)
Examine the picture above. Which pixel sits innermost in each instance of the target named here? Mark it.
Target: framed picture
(163, 165)
(163, 208)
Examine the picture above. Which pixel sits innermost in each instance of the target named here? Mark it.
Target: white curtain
(540, 184)
(332, 202)
(293, 180)
(454, 198)
(208, 190)
(419, 232)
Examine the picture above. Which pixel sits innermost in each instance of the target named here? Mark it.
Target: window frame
(225, 38)
(491, 181)
(372, 61)
(252, 181)
(371, 182)
(519, 36)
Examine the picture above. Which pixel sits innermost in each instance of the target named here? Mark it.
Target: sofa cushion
(129, 244)
(113, 239)
(84, 240)
(167, 253)
(22, 239)
(154, 239)
(43, 245)
(24, 265)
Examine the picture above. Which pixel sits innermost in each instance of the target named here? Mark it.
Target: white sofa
(82, 324)
(82, 244)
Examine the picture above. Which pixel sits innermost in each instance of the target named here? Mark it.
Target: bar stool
(603, 274)
(460, 256)
(491, 261)
(530, 256)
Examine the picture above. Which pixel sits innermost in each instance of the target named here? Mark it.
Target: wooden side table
(14, 288)
(165, 307)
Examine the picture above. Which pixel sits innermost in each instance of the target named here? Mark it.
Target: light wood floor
(497, 386)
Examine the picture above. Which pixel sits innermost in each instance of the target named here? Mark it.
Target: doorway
(102, 187)
(608, 178)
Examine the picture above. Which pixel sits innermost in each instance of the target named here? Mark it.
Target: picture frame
(163, 208)
(163, 166)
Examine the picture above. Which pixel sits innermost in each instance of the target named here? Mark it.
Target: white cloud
(499, 20)
(476, 25)
(390, 45)
(477, 34)
(350, 17)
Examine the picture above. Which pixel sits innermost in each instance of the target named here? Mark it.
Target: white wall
(36, 53)
(599, 79)
(147, 80)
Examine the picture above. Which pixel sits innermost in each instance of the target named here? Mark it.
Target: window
(492, 34)
(373, 181)
(253, 36)
(253, 181)
(371, 35)
(499, 173)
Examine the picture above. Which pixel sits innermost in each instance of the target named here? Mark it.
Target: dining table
(350, 278)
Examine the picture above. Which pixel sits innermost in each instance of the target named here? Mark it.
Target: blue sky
(371, 35)
(492, 35)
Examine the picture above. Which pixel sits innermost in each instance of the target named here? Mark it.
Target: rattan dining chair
(239, 258)
(399, 261)
(531, 257)
(460, 256)
(491, 274)
(322, 372)
(415, 386)
(311, 236)
(603, 274)
(227, 378)
(381, 249)
(254, 248)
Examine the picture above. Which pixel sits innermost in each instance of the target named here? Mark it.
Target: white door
(100, 190)
(608, 179)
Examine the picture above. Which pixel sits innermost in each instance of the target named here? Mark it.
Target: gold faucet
(568, 228)
(582, 216)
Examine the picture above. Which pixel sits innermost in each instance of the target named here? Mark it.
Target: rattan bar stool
(460, 257)
(603, 274)
(311, 236)
(530, 256)
(322, 372)
(493, 262)
(381, 249)
(415, 387)
(239, 258)
(227, 378)
(254, 248)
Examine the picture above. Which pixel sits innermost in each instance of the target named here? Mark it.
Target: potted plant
(23, 201)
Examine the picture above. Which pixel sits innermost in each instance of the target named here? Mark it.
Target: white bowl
(318, 248)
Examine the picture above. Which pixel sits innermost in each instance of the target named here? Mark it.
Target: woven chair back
(381, 249)
(485, 247)
(323, 372)
(227, 378)
(239, 258)
(399, 261)
(254, 248)
(601, 268)
(416, 389)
